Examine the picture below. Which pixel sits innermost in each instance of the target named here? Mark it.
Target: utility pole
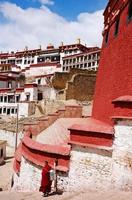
(55, 175)
(17, 117)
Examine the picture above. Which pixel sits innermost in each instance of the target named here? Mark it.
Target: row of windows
(28, 61)
(9, 99)
(81, 59)
(85, 66)
(5, 68)
(17, 62)
(89, 64)
(117, 23)
(70, 51)
(8, 111)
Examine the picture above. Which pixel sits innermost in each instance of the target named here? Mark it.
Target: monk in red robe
(45, 182)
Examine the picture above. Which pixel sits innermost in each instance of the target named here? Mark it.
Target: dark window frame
(129, 17)
(117, 25)
(1, 153)
(107, 37)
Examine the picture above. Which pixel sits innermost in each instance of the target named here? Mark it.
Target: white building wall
(89, 169)
(24, 66)
(122, 156)
(23, 109)
(38, 71)
(32, 174)
(49, 93)
(10, 137)
(33, 93)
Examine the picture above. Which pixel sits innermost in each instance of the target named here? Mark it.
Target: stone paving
(68, 196)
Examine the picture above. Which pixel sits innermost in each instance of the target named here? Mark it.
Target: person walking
(45, 181)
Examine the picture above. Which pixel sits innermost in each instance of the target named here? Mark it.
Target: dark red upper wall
(114, 77)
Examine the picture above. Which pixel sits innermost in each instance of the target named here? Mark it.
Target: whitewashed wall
(38, 71)
(32, 174)
(33, 93)
(22, 107)
(122, 156)
(10, 137)
(49, 93)
(89, 169)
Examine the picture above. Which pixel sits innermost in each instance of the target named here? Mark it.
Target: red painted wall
(99, 139)
(114, 77)
(38, 157)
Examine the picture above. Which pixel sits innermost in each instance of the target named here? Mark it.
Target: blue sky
(40, 22)
(66, 8)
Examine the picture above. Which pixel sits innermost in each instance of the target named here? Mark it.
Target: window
(94, 56)
(81, 58)
(0, 110)
(17, 98)
(25, 61)
(8, 111)
(16, 111)
(81, 66)
(27, 97)
(89, 57)
(12, 110)
(19, 61)
(117, 27)
(93, 63)
(5, 98)
(74, 60)
(85, 65)
(1, 98)
(39, 81)
(130, 11)
(107, 37)
(85, 58)
(11, 99)
(9, 84)
(1, 153)
(4, 110)
(89, 64)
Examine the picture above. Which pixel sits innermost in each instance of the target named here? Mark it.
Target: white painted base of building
(29, 178)
(122, 157)
(90, 168)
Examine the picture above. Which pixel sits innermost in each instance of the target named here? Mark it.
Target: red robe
(45, 182)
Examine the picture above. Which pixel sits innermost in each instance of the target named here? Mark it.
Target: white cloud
(46, 2)
(33, 26)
